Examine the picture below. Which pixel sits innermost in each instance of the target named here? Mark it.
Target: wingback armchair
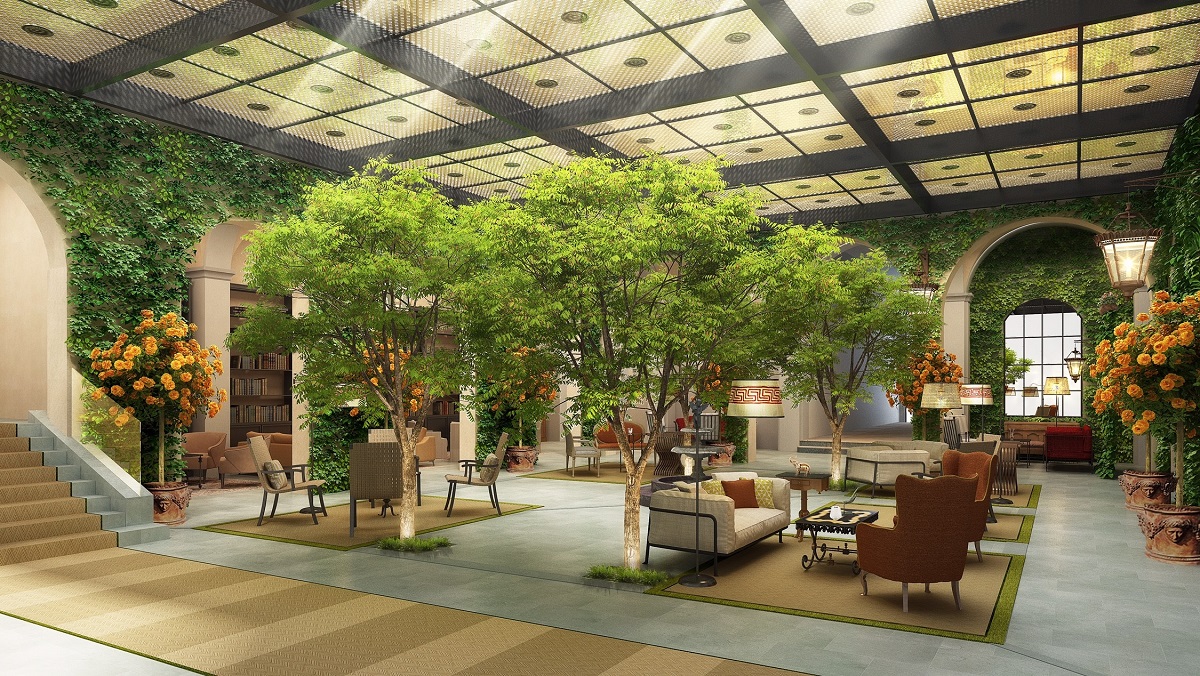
(981, 469)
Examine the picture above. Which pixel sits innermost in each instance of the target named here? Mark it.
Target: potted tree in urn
(162, 376)
(1148, 376)
(524, 388)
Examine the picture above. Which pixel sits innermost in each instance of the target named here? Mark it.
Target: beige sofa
(934, 448)
(723, 529)
(878, 466)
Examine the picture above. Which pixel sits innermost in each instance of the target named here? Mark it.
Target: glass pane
(1052, 347)
(1033, 325)
(1014, 326)
(1052, 324)
(1072, 325)
(1032, 350)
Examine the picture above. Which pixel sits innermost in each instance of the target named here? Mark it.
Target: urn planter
(171, 499)
(520, 458)
(1146, 488)
(1172, 533)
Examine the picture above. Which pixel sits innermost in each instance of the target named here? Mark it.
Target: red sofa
(1069, 444)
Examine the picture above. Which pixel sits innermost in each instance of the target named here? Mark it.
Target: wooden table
(813, 481)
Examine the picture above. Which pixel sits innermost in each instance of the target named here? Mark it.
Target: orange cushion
(742, 492)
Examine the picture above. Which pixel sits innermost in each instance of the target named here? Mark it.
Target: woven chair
(980, 467)
(488, 473)
(574, 452)
(375, 475)
(276, 479)
(927, 541)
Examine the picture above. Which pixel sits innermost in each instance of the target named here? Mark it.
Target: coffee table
(821, 521)
(814, 481)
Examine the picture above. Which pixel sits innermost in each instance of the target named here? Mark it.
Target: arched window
(1045, 332)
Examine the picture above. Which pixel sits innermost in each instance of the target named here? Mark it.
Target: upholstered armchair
(980, 467)
(204, 450)
(606, 438)
(932, 526)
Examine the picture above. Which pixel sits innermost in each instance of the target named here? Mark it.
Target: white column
(208, 299)
(464, 449)
(956, 336)
(300, 438)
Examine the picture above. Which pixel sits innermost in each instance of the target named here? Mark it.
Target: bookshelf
(260, 385)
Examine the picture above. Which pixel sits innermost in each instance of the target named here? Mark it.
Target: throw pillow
(273, 470)
(712, 487)
(762, 491)
(742, 492)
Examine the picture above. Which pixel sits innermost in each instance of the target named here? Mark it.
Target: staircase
(47, 506)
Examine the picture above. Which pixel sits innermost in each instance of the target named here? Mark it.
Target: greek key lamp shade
(975, 394)
(755, 399)
(940, 395)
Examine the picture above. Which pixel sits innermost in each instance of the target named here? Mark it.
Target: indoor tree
(378, 256)
(836, 327)
(928, 364)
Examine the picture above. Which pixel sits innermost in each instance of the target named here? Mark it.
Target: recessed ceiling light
(40, 31)
(1037, 174)
(908, 93)
(959, 184)
(860, 8)
(1018, 73)
(481, 45)
(1144, 51)
(161, 72)
(645, 140)
(754, 150)
(1034, 156)
(804, 186)
(1028, 105)
(226, 50)
(260, 107)
(1118, 165)
(546, 83)
(574, 16)
(925, 122)
(1137, 89)
(821, 201)
(635, 62)
(888, 192)
(872, 177)
(398, 119)
(500, 191)
(464, 103)
(454, 174)
(834, 137)
(322, 89)
(512, 165)
(809, 111)
(723, 126)
(335, 133)
(1126, 144)
(949, 167)
(737, 38)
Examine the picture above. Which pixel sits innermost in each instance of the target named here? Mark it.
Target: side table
(813, 481)
(821, 521)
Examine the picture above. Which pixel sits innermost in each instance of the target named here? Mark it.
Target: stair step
(9, 444)
(41, 443)
(8, 429)
(82, 486)
(37, 509)
(19, 459)
(61, 545)
(67, 472)
(27, 475)
(141, 533)
(53, 526)
(38, 491)
(110, 520)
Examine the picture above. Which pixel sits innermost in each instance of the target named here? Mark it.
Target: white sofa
(878, 466)
(723, 529)
(934, 448)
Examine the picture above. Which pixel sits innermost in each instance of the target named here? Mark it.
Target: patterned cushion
(274, 472)
(742, 492)
(491, 467)
(712, 487)
(762, 491)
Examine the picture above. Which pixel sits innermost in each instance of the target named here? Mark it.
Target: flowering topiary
(160, 372)
(934, 365)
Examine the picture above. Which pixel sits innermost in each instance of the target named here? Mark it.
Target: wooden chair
(275, 479)
(574, 452)
(488, 473)
(926, 543)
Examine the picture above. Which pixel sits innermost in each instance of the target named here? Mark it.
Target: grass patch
(414, 544)
(646, 577)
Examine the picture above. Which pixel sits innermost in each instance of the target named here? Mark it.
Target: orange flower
(1148, 416)
(1140, 427)
(1127, 416)
(1162, 295)
(1143, 317)
(1143, 359)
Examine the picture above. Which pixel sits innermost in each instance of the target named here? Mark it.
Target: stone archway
(35, 366)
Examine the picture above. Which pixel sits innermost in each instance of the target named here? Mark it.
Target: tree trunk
(408, 480)
(162, 446)
(632, 522)
(1179, 464)
(835, 450)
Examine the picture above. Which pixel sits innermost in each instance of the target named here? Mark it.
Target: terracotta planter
(170, 501)
(1172, 533)
(1107, 308)
(520, 458)
(1146, 488)
(724, 458)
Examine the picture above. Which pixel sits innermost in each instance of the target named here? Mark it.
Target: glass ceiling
(828, 109)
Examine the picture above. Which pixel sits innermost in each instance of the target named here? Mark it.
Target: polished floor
(1089, 602)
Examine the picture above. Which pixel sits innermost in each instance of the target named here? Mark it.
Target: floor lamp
(1059, 385)
(976, 395)
(941, 396)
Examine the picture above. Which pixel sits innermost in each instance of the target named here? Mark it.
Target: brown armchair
(926, 544)
(203, 451)
(980, 468)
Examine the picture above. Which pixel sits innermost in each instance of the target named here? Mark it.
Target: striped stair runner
(38, 517)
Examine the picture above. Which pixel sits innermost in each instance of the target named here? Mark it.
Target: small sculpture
(687, 462)
(801, 467)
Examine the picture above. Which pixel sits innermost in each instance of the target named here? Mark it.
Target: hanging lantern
(1127, 252)
(1074, 362)
(921, 285)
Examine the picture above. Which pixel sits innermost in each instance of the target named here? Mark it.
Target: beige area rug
(231, 622)
(333, 531)
(769, 576)
(1008, 527)
(610, 473)
(1027, 495)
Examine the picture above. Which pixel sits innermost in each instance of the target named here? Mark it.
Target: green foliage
(135, 198)
(414, 544)
(647, 577)
(737, 432)
(1176, 263)
(491, 422)
(330, 435)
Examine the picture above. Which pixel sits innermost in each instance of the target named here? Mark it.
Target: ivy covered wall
(134, 198)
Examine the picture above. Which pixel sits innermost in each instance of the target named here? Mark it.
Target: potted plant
(162, 376)
(934, 365)
(1148, 378)
(524, 389)
(1109, 300)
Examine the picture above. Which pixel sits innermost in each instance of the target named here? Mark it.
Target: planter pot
(1146, 488)
(170, 501)
(520, 458)
(724, 458)
(1172, 533)
(1107, 308)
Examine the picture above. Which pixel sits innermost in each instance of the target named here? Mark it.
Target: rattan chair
(275, 479)
(375, 474)
(488, 473)
(590, 453)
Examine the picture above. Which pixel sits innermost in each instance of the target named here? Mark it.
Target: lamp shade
(1127, 257)
(1057, 385)
(940, 395)
(1030, 391)
(975, 394)
(755, 399)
